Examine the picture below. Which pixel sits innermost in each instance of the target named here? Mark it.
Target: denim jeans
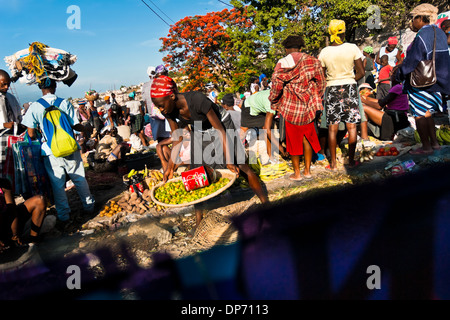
(73, 166)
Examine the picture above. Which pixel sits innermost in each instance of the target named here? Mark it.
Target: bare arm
(176, 147)
(371, 102)
(359, 69)
(377, 58)
(215, 122)
(32, 133)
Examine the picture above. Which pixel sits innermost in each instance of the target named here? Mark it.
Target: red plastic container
(197, 178)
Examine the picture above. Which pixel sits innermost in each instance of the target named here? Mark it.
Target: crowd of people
(313, 101)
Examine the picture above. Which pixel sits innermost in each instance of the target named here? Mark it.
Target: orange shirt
(385, 73)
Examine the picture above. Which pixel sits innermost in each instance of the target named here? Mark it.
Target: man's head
(107, 99)
(5, 81)
(384, 60)
(293, 43)
(47, 85)
(228, 101)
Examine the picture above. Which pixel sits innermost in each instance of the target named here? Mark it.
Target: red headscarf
(392, 40)
(162, 86)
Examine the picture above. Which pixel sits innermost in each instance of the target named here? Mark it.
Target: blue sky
(116, 43)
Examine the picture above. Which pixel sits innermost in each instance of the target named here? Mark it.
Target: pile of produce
(365, 154)
(137, 199)
(175, 192)
(387, 152)
(131, 202)
(442, 135)
(149, 177)
(271, 171)
(111, 209)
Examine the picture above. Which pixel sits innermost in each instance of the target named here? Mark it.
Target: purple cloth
(400, 102)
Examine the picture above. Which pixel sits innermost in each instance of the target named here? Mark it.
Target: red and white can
(197, 178)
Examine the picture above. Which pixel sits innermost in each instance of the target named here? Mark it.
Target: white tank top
(392, 55)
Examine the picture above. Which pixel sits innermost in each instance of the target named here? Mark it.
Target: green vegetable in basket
(175, 192)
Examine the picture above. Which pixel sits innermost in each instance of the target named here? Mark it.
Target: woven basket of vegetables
(173, 193)
(91, 95)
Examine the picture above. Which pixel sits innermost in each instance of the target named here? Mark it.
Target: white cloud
(151, 43)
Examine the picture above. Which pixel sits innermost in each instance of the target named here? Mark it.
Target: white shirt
(340, 62)
(134, 106)
(392, 55)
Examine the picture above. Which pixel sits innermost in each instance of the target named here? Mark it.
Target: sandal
(295, 179)
(420, 151)
(307, 177)
(331, 169)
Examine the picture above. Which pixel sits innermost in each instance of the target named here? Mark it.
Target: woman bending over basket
(211, 125)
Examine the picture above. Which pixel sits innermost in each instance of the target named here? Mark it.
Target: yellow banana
(445, 135)
(438, 137)
(132, 173)
(416, 136)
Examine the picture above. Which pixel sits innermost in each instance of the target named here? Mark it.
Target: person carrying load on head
(58, 166)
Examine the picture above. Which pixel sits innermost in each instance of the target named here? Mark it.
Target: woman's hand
(168, 173)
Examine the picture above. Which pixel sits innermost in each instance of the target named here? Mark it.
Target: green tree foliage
(276, 19)
(216, 47)
(231, 46)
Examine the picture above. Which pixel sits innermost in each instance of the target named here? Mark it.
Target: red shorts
(294, 138)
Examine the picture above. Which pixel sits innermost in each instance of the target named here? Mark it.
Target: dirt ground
(175, 232)
(177, 226)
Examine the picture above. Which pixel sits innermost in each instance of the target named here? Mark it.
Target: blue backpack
(57, 129)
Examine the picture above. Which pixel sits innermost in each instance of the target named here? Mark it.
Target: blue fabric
(45, 104)
(422, 49)
(73, 166)
(261, 77)
(421, 101)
